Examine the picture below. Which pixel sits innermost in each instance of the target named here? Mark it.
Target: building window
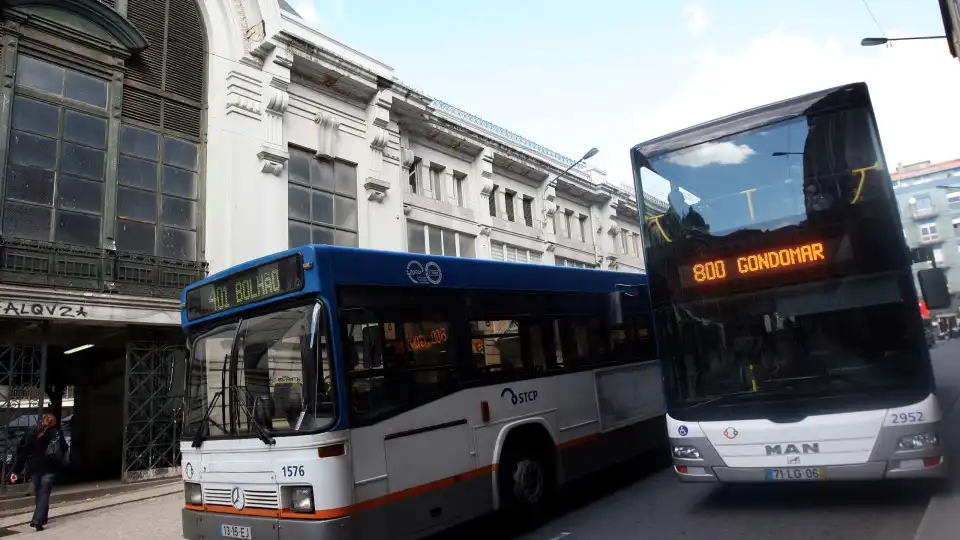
(528, 211)
(413, 180)
(505, 252)
(922, 206)
(57, 155)
(322, 201)
(583, 228)
(938, 255)
(435, 240)
(953, 200)
(436, 182)
(459, 179)
(492, 201)
(928, 232)
(624, 239)
(157, 196)
(560, 261)
(566, 223)
(635, 244)
(508, 198)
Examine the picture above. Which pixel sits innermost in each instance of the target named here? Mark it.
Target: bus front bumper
(876, 470)
(199, 525)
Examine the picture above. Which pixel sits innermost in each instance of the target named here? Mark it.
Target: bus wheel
(525, 480)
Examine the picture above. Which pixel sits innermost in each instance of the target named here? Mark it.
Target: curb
(90, 506)
(938, 509)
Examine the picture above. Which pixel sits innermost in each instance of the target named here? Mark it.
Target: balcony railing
(46, 264)
(923, 213)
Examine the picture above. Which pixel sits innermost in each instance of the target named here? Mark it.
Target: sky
(614, 73)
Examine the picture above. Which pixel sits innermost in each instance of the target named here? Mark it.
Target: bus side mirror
(615, 308)
(933, 288)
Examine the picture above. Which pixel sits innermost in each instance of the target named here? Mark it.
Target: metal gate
(151, 429)
(22, 397)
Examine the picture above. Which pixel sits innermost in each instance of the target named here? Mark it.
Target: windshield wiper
(198, 437)
(262, 433)
(744, 393)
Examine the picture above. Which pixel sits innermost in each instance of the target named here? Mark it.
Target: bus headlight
(192, 493)
(918, 441)
(686, 452)
(298, 499)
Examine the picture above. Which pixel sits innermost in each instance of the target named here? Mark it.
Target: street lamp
(874, 41)
(590, 153)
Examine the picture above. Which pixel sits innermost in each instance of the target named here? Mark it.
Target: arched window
(102, 148)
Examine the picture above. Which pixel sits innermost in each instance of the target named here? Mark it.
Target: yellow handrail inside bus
(863, 176)
(656, 220)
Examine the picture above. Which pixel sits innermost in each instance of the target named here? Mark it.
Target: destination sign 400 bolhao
(259, 283)
(766, 261)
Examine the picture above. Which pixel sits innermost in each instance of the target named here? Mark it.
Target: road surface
(636, 503)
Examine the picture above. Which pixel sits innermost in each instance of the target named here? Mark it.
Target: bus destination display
(259, 283)
(785, 259)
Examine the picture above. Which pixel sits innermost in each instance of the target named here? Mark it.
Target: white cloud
(723, 153)
(913, 86)
(697, 20)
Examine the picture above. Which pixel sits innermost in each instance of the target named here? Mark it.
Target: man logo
(805, 448)
(237, 498)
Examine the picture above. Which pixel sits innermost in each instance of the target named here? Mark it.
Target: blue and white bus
(344, 393)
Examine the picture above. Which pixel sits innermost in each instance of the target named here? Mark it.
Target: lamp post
(874, 41)
(590, 153)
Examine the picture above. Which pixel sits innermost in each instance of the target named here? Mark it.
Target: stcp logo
(519, 397)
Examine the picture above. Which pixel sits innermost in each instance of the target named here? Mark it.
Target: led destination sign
(259, 283)
(796, 257)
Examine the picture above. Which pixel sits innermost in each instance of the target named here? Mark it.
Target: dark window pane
(30, 184)
(298, 202)
(436, 244)
(36, 116)
(139, 142)
(467, 246)
(85, 129)
(178, 213)
(135, 237)
(179, 182)
(137, 173)
(78, 229)
(32, 150)
(449, 243)
(322, 235)
(346, 213)
(346, 179)
(347, 238)
(136, 204)
(322, 207)
(177, 244)
(86, 89)
(180, 153)
(415, 237)
(321, 174)
(78, 194)
(40, 75)
(299, 166)
(82, 161)
(26, 221)
(299, 234)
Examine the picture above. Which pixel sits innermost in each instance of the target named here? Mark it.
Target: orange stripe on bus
(377, 501)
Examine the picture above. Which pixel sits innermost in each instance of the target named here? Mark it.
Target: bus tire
(526, 477)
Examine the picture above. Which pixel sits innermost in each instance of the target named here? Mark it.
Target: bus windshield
(260, 376)
(778, 267)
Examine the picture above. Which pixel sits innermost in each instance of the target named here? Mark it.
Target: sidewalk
(22, 515)
(942, 518)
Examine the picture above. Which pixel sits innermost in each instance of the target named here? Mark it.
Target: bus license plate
(801, 473)
(235, 531)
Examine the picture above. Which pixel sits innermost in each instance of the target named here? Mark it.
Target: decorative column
(273, 153)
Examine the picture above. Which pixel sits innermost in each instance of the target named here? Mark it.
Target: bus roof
(336, 266)
(740, 122)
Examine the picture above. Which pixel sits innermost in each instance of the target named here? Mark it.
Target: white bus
(784, 300)
(337, 393)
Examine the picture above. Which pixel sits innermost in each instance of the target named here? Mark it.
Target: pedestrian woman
(44, 452)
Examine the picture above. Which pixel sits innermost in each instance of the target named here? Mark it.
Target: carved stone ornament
(485, 230)
(551, 247)
(272, 159)
(329, 134)
(377, 190)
